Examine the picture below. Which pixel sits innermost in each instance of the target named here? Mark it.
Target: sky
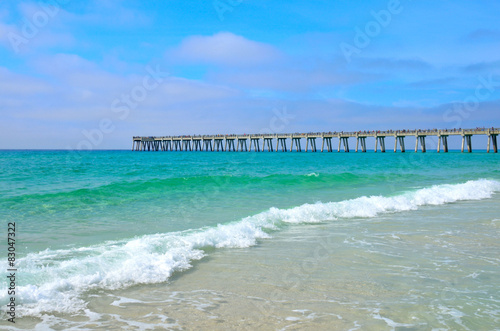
(93, 74)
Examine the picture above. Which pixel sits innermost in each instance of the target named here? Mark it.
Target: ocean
(116, 240)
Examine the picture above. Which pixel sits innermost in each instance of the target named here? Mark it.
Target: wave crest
(58, 278)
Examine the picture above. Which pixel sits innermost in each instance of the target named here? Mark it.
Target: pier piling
(269, 143)
(281, 141)
(328, 141)
(362, 141)
(493, 139)
(401, 140)
(312, 141)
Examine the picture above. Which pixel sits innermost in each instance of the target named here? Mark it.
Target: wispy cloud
(225, 48)
(389, 64)
(483, 35)
(432, 83)
(286, 79)
(493, 66)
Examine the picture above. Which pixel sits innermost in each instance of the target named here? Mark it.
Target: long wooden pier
(277, 142)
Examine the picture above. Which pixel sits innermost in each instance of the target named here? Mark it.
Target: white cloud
(225, 48)
(294, 80)
(14, 84)
(6, 30)
(180, 90)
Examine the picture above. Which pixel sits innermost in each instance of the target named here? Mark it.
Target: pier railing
(244, 142)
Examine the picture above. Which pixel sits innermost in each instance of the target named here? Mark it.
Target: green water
(175, 218)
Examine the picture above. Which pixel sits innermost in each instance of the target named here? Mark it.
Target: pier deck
(278, 142)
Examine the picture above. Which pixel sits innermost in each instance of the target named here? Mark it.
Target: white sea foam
(375, 205)
(389, 322)
(59, 279)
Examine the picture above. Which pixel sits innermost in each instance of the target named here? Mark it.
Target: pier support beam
(242, 145)
(282, 142)
(218, 144)
(269, 143)
(186, 144)
(445, 144)
(345, 141)
(230, 147)
(493, 139)
(401, 140)
(208, 145)
(298, 148)
(422, 143)
(361, 140)
(380, 139)
(311, 140)
(328, 141)
(197, 145)
(467, 139)
(256, 144)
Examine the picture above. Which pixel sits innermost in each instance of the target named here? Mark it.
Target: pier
(281, 141)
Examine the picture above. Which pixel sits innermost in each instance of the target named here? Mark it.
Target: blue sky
(90, 75)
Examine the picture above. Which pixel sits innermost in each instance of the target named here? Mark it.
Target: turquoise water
(113, 239)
